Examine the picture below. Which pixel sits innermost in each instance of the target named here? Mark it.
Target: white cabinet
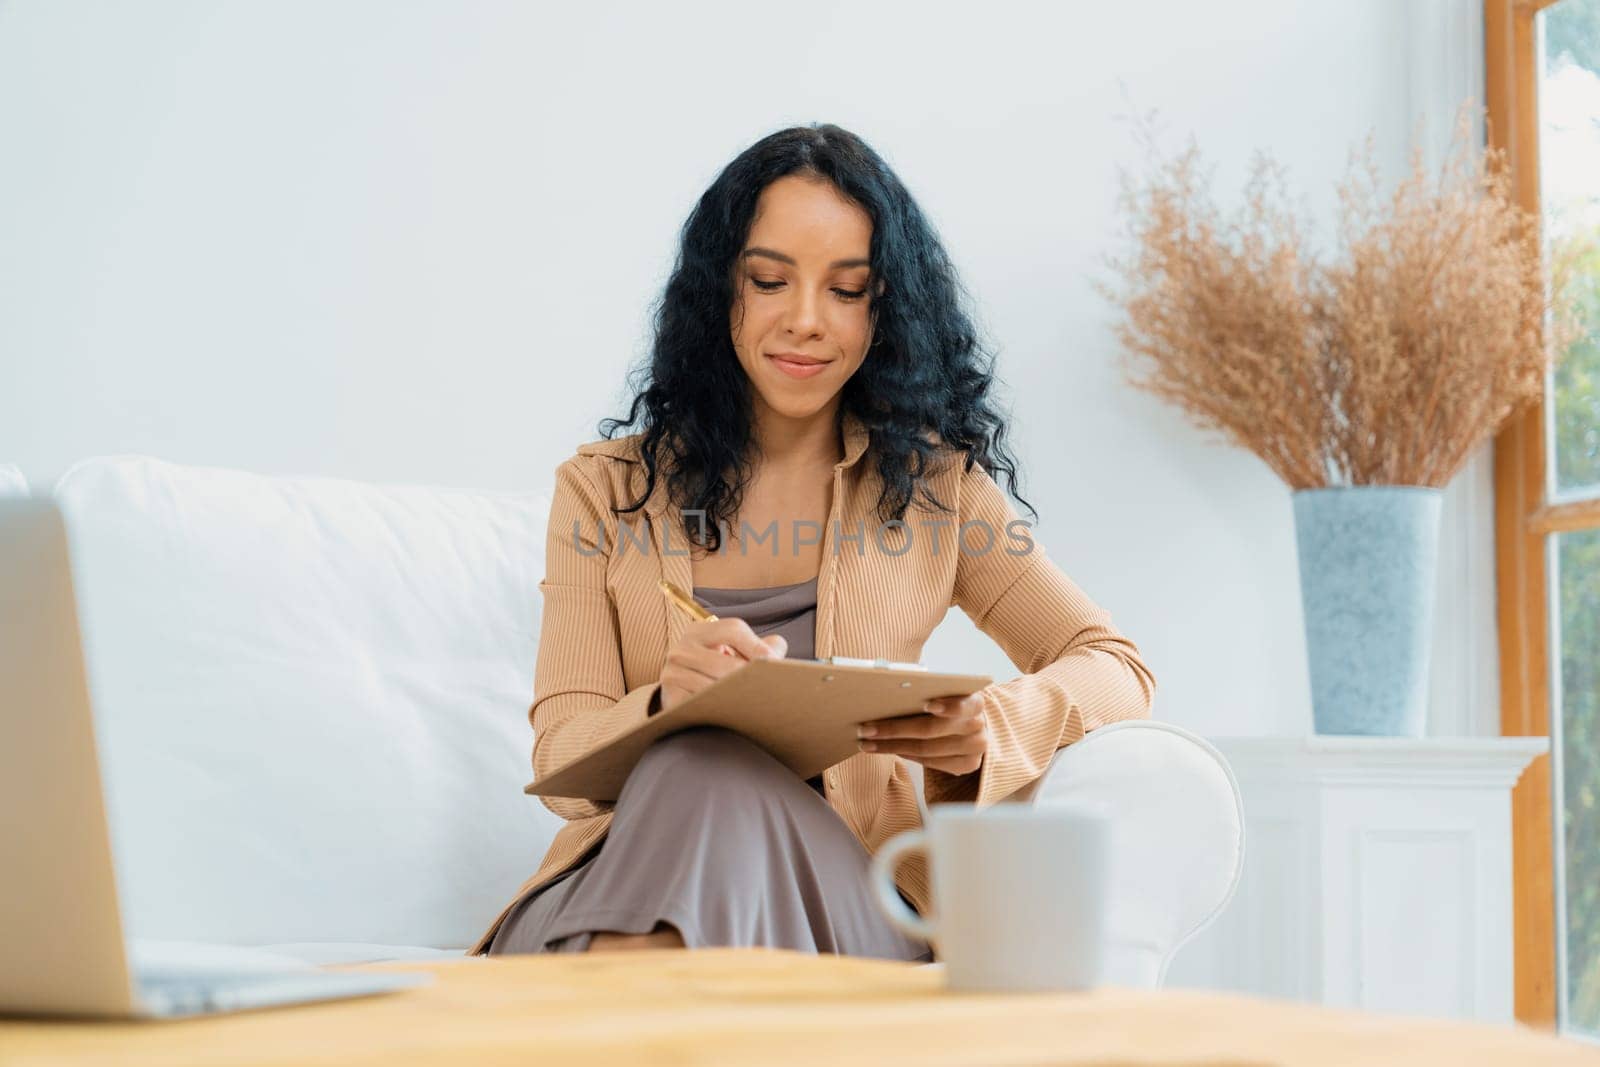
(1377, 875)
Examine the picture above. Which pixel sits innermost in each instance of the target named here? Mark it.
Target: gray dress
(715, 837)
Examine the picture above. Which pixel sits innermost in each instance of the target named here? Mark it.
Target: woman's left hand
(951, 736)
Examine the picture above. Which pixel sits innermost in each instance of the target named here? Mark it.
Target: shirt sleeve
(1080, 671)
(579, 698)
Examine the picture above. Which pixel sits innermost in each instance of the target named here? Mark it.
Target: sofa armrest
(1177, 845)
(12, 483)
(1177, 841)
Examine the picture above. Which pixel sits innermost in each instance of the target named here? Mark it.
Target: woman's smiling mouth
(795, 368)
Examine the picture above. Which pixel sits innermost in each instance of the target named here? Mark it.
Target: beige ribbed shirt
(881, 591)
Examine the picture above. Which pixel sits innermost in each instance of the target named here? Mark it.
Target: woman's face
(801, 288)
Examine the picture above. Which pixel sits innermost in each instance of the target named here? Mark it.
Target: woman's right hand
(709, 650)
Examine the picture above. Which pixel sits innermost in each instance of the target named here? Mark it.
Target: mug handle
(883, 887)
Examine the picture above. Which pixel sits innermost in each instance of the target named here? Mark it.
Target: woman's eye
(844, 294)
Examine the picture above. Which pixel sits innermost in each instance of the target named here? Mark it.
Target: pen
(686, 602)
(692, 607)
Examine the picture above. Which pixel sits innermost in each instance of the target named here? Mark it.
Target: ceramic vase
(1368, 555)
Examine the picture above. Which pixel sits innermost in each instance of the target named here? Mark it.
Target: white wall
(418, 242)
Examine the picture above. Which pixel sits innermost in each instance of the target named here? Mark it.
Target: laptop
(63, 949)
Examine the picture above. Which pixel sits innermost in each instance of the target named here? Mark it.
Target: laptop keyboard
(175, 991)
(189, 993)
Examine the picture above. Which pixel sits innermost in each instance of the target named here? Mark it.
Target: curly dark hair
(927, 370)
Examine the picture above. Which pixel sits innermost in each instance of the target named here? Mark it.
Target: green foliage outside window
(1577, 427)
(1572, 32)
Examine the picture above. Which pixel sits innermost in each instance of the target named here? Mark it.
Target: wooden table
(769, 1006)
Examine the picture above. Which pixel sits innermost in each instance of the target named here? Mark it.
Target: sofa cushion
(311, 698)
(12, 483)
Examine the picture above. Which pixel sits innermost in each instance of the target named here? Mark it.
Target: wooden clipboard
(802, 711)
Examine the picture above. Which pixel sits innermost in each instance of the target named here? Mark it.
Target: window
(1543, 80)
(1568, 50)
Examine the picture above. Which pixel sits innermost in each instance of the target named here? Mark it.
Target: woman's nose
(802, 316)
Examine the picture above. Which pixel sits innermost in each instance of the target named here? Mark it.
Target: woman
(812, 318)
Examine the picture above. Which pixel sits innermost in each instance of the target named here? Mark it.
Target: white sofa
(312, 698)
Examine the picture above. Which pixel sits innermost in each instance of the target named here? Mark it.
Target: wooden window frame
(1523, 520)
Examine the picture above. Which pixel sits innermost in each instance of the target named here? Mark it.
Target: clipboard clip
(880, 663)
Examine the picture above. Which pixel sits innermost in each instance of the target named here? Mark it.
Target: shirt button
(833, 779)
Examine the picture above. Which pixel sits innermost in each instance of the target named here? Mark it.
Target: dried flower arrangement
(1387, 366)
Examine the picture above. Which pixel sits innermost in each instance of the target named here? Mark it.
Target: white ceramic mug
(1019, 894)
